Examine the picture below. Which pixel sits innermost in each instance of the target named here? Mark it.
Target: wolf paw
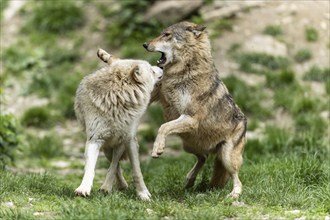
(158, 149)
(122, 186)
(83, 191)
(144, 195)
(234, 194)
(105, 190)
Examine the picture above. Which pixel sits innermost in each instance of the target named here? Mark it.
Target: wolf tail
(104, 56)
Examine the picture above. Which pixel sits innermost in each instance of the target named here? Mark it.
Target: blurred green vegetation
(302, 55)
(273, 30)
(258, 62)
(56, 17)
(8, 139)
(311, 34)
(3, 5)
(48, 146)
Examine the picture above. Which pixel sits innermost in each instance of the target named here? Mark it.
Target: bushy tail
(104, 56)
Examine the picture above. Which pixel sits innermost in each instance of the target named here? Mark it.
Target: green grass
(273, 187)
(315, 73)
(311, 34)
(55, 17)
(303, 55)
(48, 146)
(40, 117)
(273, 30)
(220, 26)
(280, 79)
(259, 62)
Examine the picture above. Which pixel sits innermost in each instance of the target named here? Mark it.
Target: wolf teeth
(158, 61)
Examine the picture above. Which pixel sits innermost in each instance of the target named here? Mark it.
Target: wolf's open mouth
(162, 60)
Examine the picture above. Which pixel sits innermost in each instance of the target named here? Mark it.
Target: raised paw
(158, 149)
(144, 195)
(82, 191)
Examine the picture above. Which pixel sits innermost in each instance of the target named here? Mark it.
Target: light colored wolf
(197, 105)
(109, 104)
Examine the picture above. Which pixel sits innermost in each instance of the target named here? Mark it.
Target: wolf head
(139, 71)
(178, 41)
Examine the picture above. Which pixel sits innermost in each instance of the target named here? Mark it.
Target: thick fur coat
(109, 104)
(197, 105)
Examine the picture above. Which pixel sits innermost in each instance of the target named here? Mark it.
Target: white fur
(91, 154)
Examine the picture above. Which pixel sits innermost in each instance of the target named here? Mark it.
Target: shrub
(137, 30)
(3, 5)
(40, 117)
(48, 146)
(302, 55)
(247, 97)
(316, 73)
(273, 30)
(311, 34)
(247, 60)
(21, 57)
(219, 26)
(8, 139)
(56, 16)
(277, 80)
(64, 99)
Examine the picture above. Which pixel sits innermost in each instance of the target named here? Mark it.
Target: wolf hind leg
(191, 176)
(220, 174)
(117, 153)
(232, 159)
(121, 182)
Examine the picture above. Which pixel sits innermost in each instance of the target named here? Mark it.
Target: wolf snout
(145, 45)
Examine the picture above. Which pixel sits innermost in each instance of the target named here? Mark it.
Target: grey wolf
(109, 104)
(197, 105)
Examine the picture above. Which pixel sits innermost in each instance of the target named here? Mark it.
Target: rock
(60, 164)
(265, 44)
(225, 9)
(172, 11)
(10, 204)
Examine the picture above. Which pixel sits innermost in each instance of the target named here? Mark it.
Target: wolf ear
(136, 74)
(196, 30)
(105, 57)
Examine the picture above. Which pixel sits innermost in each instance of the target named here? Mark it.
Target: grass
(315, 73)
(259, 62)
(220, 26)
(48, 146)
(303, 55)
(273, 30)
(40, 117)
(273, 187)
(56, 17)
(311, 34)
(242, 92)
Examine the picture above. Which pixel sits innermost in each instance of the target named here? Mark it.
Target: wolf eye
(167, 34)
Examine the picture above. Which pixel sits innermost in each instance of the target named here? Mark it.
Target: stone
(225, 9)
(172, 11)
(265, 44)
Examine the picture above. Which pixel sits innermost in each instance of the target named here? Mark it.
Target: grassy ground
(273, 187)
(286, 172)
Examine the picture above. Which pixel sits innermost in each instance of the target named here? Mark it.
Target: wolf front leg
(184, 123)
(92, 151)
